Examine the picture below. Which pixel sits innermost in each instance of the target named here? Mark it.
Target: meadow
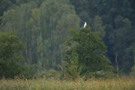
(51, 84)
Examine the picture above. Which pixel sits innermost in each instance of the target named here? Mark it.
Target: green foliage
(4, 5)
(114, 19)
(122, 43)
(43, 28)
(85, 53)
(72, 69)
(11, 57)
(132, 73)
(98, 26)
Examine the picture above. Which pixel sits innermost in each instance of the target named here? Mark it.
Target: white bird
(85, 24)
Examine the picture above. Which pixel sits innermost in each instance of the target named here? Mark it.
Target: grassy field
(50, 84)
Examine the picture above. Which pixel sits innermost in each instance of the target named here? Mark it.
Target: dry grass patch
(51, 84)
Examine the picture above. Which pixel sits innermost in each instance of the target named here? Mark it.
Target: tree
(87, 50)
(132, 73)
(72, 69)
(42, 28)
(11, 57)
(113, 13)
(122, 40)
(98, 27)
(4, 5)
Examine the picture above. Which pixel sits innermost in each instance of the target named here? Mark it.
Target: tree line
(53, 38)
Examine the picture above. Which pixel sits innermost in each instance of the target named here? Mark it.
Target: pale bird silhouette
(85, 24)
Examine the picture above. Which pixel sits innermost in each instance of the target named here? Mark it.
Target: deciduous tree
(11, 57)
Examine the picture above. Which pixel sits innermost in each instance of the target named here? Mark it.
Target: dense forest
(52, 37)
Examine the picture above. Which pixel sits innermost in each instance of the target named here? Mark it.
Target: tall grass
(51, 84)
